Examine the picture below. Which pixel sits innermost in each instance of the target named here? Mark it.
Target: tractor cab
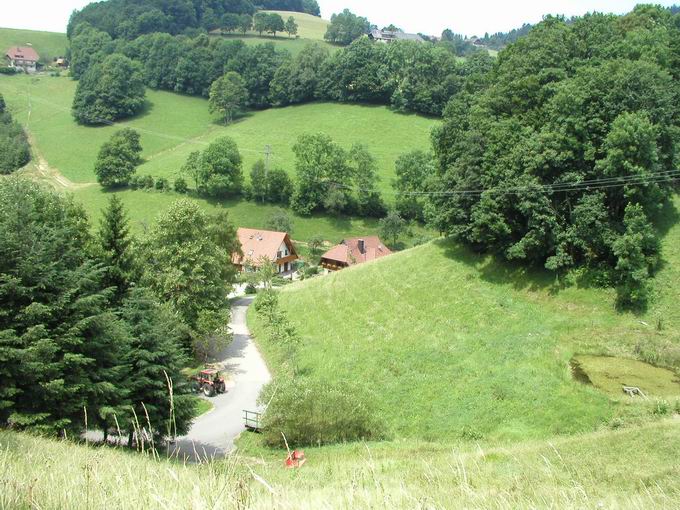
(210, 381)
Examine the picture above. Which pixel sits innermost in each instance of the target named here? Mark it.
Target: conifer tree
(158, 389)
(115, 241)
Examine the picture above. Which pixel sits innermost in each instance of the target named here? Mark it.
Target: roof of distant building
(389, 35)
(22, 53)
(349, 250)
(256, 244)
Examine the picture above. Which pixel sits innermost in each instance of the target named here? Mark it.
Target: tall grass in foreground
(628, 468)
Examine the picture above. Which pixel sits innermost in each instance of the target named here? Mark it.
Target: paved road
(213, 434)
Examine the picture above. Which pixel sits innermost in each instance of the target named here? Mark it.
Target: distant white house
(388, 36)
(21, 57)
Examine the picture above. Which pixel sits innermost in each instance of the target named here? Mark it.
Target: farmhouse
(354, 251)
(274, 246)
(388, 36)
(25, 58)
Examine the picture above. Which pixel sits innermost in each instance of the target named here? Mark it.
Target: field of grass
(281, 41)
(632, 468)
(455, 345)
(47, 44)
(144, 207)
(172, 126)
(309, 27)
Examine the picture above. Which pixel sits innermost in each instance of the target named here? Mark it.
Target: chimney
(362, 246)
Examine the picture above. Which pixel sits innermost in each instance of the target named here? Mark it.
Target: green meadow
(172, 126)
(453, 345)
(631, 468)
(48, 44)
(309, 27)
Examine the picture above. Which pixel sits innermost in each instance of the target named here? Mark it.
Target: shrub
(470, 434)
(146, 182)
(661, 408)
(181, 185)
(265, 303)
(162, 184)
(135, 181)
(313, 412)
(8, 70)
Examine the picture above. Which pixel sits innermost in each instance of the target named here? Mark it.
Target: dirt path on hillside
(212, 435)
(39, 169)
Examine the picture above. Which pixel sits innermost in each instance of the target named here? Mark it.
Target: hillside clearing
(282, 41)
(309, 27)
(48, 44)
(455, 345)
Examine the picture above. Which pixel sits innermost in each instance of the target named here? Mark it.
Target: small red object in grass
(295, 459)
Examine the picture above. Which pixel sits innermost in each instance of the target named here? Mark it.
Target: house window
(279, 255)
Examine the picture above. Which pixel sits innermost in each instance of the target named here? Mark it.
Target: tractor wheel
(208, 390)
(221, 388)
(195, 387)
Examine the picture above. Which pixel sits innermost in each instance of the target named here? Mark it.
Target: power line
(596, 184)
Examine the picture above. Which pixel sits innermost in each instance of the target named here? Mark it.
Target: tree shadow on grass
(493, 269)
(241, 117)
(667, 218)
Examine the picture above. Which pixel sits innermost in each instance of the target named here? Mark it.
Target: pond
(610, 374)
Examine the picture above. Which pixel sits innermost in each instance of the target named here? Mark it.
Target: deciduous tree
(118, 158)
(109, 91)
(228, 96)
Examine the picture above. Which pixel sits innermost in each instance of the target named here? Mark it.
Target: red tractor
(210, 381)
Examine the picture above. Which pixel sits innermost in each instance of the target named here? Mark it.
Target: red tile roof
(22, 53)
(348, 252)
(260, 243)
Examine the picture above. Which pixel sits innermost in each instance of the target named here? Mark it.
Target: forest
(566, 153)
(128, 19)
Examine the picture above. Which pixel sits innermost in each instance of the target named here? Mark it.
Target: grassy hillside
(47, 44)
(629, 468)
(172, 126)
(309, 27)
(455, 345)
(281, 41)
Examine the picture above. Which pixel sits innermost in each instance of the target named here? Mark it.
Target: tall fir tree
(158, 390)
(61, 347)
(117, 255)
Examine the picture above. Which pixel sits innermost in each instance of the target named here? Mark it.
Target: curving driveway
(213, 434)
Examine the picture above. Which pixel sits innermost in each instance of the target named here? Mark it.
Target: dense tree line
(306, 6)
(409, 76)
(128, 19)
(500, 40)
(332, 179)
(589, 101)
(90, 336)
(15, 150)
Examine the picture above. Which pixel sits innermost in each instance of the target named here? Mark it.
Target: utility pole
(267, 153)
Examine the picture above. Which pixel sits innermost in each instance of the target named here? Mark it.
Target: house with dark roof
(258, 246)
(21, 57)
(351, 252)
(388, 36)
